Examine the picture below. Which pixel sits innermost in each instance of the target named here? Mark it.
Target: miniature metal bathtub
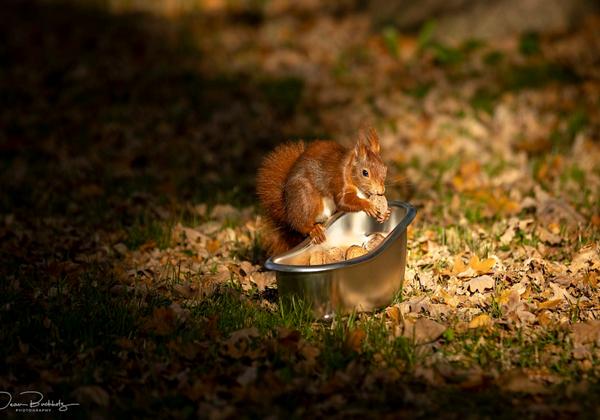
(362, 284)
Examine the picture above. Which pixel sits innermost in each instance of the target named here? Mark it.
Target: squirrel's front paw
(381, 210)
(317, 234)
(371, 210)
(382, 217)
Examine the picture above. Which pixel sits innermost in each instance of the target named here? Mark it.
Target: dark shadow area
(103, 106)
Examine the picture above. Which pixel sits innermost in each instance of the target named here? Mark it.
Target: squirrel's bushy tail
(270, 183)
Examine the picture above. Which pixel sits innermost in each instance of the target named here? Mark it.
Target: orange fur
(295, 178)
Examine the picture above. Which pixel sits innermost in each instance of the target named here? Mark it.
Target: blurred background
(185, 97)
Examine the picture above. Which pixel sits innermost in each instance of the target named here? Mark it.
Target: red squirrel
(300, 185)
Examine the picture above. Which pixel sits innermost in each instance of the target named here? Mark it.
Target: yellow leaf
(544, 318)
(481, 321)
(213, 246)
(393, 312)
(449, 299)
(503, 298)
(459, 265)
(550, 304)
(481, 266)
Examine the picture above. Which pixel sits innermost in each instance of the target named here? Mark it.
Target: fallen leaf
(393, 312)
(561, 293)
(355, 339)
(423, 330)
(459, 265)
(548, 237)
(481, 321)
(121, 248)
(449, 299)
(507, 236)
(310, 353)
(264, 280)
(163, 321)
(223, 212)
(545, 318)
(92, 393)
(550, 304)
(213, 246)
(481, 266)
(288, 338)
(518, 380)
(586, 332)
(480, 284)
(248, 376)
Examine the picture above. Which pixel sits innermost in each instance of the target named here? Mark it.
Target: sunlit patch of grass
(295, 313)
(234, 311)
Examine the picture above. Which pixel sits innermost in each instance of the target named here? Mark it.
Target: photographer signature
(36, 401)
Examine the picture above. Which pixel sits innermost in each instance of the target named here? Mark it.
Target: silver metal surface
(361, 284)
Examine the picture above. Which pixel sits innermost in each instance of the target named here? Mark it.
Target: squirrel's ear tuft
(360, 149)
(371, 139)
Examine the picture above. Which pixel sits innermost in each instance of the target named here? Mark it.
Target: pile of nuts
(337, 254)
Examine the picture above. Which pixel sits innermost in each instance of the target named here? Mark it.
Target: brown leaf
(310, 353)
(92, 393)
(393, 312)
(223, 212)
(248, 376)
(162, 321)
(243, 334)
(550, 304)
(289, 338)
(213, 246)
(264, 280)
(237, 344)
(548, 237)
(586, 332)
(450, 300)
(533, 145)
(518, 380)
(480, 284)
(355, 338)
(423, 330)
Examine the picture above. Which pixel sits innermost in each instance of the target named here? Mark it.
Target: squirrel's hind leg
(304, 204)
(317, 233)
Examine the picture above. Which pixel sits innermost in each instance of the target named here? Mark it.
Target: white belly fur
(328, 209)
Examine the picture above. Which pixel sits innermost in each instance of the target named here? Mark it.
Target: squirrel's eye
(365, 172)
